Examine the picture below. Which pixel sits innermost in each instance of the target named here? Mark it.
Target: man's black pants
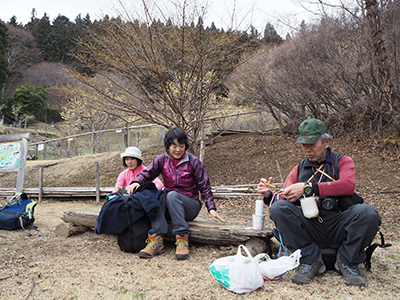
(349, 231)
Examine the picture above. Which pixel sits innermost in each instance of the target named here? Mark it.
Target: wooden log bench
(79, 221)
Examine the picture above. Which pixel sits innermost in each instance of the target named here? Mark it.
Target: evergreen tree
(33, 22)
(4, 48)
(13, 22)
(212, 27)
(271, 36)
(41, 31)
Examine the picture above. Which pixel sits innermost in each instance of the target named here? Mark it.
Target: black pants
(350, 231)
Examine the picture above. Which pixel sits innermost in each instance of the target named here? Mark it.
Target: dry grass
(90, 266)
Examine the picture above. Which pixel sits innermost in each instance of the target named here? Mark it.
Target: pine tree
(4, 48)
(271, 36)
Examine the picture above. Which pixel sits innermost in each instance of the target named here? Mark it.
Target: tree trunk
(379, 49)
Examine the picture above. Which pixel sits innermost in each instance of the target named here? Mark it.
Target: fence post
(45, 151)
(93, 144)
(40, 184)
(96, 167)
(21, 165)
(68, 147)
(128, 132)
(202, 151)
(159, 135)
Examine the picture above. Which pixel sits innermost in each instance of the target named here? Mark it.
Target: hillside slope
(236, 160)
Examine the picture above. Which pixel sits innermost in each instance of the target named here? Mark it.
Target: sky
(282, 14)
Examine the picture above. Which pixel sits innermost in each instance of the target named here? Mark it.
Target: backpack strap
(28, 233)
(371, 249)
(125, 198)
(275, 233)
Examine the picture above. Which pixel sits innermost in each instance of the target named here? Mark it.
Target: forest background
(171, 70)
(163, 66)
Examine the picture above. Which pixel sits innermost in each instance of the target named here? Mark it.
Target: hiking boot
(306, 273)
(155, 246)
(182, 247)
(351, 275)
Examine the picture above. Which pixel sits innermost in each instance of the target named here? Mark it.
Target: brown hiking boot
(306, 273)
(155, 246)
(351, 275)
(182, 247)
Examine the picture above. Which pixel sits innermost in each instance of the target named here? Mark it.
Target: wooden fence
(118, 139)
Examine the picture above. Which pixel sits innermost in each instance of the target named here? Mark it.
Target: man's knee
(367, 213)
(280, 208)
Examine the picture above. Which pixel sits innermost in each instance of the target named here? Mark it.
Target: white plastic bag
(238, 273)
(275, 268)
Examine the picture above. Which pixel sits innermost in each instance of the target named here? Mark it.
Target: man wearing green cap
(342, 221)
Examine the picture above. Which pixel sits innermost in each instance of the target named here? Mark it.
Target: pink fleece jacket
(127, 176)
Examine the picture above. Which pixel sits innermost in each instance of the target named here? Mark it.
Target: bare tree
(378, 43)
(330, 71)
(165, 72)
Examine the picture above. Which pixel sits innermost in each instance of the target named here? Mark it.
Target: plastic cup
(258, 222)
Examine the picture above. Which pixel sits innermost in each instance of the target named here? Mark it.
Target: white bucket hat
(132, 152)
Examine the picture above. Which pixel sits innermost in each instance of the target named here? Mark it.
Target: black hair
(179, 135)
(139, 161)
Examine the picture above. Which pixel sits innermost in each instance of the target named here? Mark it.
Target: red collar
(177, 161)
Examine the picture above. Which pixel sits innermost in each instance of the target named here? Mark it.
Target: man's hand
(130, 188)
(263, 188)
(214, 213)
(294, 191)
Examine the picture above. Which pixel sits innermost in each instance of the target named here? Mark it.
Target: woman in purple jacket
(184, 177)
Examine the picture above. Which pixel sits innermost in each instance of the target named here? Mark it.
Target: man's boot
(351, 275)
(306, 273)
(155, 246)
(182, 247)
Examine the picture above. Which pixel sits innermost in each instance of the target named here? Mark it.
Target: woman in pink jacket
(132, 159)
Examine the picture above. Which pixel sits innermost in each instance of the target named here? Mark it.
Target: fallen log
(67, 229)
(80, 217)
(200, 232)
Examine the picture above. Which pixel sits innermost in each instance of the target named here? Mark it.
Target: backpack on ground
(18, 213)
(128, 216)
(133, 238)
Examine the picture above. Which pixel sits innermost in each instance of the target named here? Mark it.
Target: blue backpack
(18, 213)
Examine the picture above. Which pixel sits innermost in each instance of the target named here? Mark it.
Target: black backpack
(133, 238)
(128, 216)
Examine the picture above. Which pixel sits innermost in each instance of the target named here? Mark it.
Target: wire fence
(117, 139)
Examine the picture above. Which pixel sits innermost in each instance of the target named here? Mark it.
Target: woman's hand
(214, 213)
(130, 188)
(263, 188)
(117, 189)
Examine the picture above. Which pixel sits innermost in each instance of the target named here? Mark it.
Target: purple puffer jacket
(187, 178)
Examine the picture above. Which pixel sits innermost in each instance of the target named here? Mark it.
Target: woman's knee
(172, 196)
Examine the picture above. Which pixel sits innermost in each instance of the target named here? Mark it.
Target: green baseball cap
(310, 131)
